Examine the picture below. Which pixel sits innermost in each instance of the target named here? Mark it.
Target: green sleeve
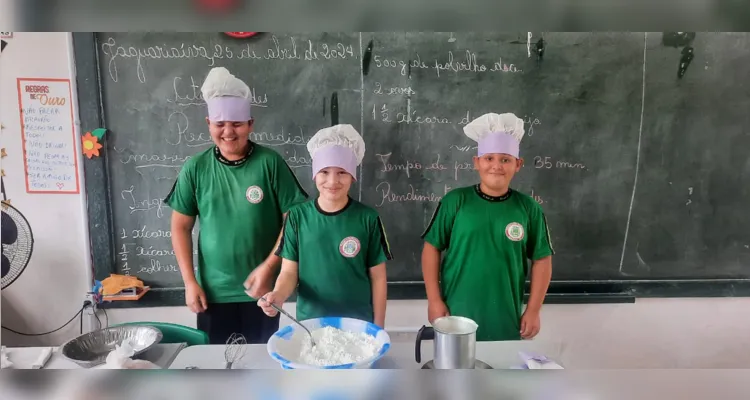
(378, 249)
(288, 189)
(539, 244)
(288, 246)
(182, 197)
(438, 232)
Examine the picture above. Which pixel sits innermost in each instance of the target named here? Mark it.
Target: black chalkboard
(635, 145)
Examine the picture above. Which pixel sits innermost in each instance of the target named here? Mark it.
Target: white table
(499, 355)
(161, 354)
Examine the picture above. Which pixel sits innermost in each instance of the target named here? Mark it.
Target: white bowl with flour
(341, 343)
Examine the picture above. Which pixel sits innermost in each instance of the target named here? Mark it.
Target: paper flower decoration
(91, 145)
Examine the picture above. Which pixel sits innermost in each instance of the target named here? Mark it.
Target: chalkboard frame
(560, 292)
(102, 242)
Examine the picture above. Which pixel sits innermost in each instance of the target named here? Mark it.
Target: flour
(336, 347)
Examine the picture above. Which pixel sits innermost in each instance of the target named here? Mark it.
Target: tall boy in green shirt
(487, 233)
(239, 190)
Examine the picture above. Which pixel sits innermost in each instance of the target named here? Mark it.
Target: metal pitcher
(454, 342)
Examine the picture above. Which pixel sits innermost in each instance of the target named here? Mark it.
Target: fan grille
(18, 252)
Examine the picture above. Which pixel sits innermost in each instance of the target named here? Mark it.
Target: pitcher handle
(425, 333)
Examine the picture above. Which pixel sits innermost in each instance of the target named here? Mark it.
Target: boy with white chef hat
(334, 248)
(239, 190)
(488, 231)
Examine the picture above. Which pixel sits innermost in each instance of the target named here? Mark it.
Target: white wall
(652, 333)
(51, 289)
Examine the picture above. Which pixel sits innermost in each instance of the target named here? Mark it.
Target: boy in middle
(333, 248)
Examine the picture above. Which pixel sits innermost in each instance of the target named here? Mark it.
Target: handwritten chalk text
(278, 49)
(192, 96)
(536, 197)
(548, 163)
(468, 63)
(178, 126)
(411, 116)
(408, 166)
(279, 139)
(411, 195)
(144, 233)
(462, 148)
(153, 160)
(297, 161)
(123, 253)
(150, 251)
(142, 205)
(393, 91)
(156, 266)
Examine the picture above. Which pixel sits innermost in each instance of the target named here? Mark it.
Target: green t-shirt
(240, 206)
(334, 252)
(487, 242)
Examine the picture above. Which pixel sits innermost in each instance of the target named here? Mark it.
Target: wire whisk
(235, 349)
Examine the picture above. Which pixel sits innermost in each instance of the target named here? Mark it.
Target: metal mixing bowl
(91, 349)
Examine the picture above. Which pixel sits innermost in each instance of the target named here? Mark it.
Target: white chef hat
(337, 146)
(226, 96)
(496, 133)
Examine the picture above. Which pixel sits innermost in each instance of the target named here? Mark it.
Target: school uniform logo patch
(254, 194)
(349, 247)
(514, 231)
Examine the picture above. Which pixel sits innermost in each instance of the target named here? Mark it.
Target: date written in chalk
(549, 163)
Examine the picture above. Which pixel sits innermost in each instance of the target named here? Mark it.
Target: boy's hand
(436, 309)
(259, 281)
(265, 303)
(530, 324)
(195, 297)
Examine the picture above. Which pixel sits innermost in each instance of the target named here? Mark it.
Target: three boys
(333, 249)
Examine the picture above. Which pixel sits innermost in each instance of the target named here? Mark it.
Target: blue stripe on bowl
(384, 349)
(285, 332)
(334, 322)
(276, 356)
(372, 330)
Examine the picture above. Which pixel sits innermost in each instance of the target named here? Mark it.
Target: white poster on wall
(49, 151)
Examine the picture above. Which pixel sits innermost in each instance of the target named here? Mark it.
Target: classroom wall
(652, 333)
(51, 289)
